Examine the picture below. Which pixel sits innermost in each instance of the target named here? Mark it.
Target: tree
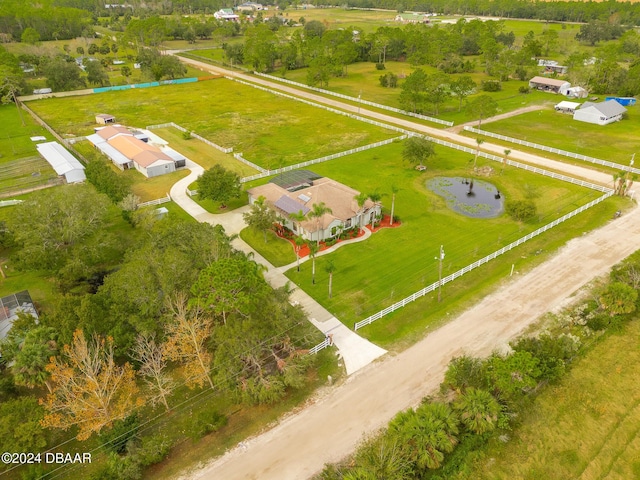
(330, 268)
(51, 225)
(229, 286)
(481, 107)
(462, 88)
(375, 197)
(80, 50)
(394, 191)
(260, 48)
(462, 373)
(417, 150)
(413, 97)
(261, 216)
(619, 298)
(319, 210)
(479, 142)
(187, 332)
(299, 241)
(62, 76)
(436, 90)
(478, 410)
(30, 36)
(96, 74)
(297, 219)
(20, 429)
(32, 356)
(90, 391)
(512, 376)
(219, 185)
(507, 152)
(153, 363)
(314, 248)
(125, 71)
(361, 199)
(314, 29)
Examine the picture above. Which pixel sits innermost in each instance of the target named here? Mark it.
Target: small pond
(469, 196)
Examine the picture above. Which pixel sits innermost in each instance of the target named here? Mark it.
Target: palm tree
(361, 198)
(314, 248)
(299, 243)
(319, 209)
(375, 198)
(394, 190)
(479, 142)
(298, 218)
(504, 161)
(478, 410)
(330, 267)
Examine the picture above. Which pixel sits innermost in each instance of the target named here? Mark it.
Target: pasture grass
(277, 251)
(14, 138)
(270, 130)
(203, 154)
(394, 263)
(584, 427)
(155, 187)
(615, 142)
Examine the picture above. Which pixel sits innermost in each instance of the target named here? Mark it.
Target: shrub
(524, 89)
(521, 210)
(186, 135)
(205, 422)
(154, 449)
(123, 432)
(491, 86)
(380, 66)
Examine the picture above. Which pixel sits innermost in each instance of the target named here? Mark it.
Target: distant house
(11, 306)
(567, 107)
(412, 18)
(104, 119)
(226, 14)
(345, 212)
(559, 69)
(249, 7)
(549, 85)
(601, 113)
(65, 164)
(133, 149)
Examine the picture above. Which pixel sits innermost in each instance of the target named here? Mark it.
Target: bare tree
(153, 364)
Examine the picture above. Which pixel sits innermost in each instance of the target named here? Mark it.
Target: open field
(14, 138)
(269, 130)
(615, 142)
(25, 173)
(394, 263)
(586, 427)
(201, 153)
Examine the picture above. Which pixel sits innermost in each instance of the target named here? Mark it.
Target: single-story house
(249, 7)
(11, 306)
(549, 85)
(142, 150)
(567, 107)
(345, 212)
(601, 113)
(226, 14)
(104, 119)
(62, 161)
(577, 92)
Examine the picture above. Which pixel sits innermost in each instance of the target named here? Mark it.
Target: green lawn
(616, 142)
(394, 263)
(276, 250)
(153, 188)
(216, 207)
(203, 154)
(14, 138)
(268, 130)
(585, 427)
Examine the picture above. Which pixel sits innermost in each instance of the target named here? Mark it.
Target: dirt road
(330, 428)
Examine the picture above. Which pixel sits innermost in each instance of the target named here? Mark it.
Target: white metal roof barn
(62, 161)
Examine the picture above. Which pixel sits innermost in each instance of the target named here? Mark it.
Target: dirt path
(513, 113)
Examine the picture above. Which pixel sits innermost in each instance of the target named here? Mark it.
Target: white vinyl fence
(358, 100)
(158, 201)
(326, 343)
(482, 261)
(193, 134)
(6, 203)
(545, 148)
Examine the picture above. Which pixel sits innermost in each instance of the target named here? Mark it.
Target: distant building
(577, 92)
(601, 113)
(226, 14)
(551, 85)
(412, 18)
(104, 119)
(567, 107)
(248, 7)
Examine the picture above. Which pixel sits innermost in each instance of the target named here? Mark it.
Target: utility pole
(440, 259)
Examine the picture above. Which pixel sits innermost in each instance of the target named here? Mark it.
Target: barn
(601, 113)
(551, 85)
(62, 161)
(105, 119)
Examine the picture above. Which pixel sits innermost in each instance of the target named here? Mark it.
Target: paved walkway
(355, 351)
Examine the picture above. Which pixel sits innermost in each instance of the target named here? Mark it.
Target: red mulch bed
(304, 249)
